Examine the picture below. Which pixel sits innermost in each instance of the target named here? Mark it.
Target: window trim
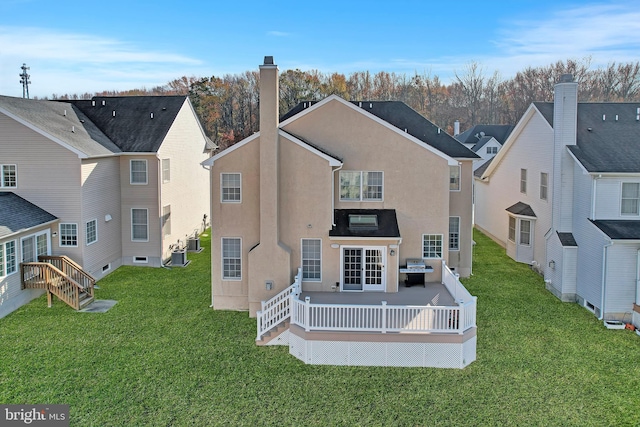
(521, 221)
(545, 186)
(86, 232)
(147, 224)
(523, 181)
(637, 199)
(441, 245)
(2, 182)
(166, 172)
(146, 172)
(222, 258)
(60, 235)
(302, 259)
(222, 187)
(457, 248)
(4, 264)
(361, 197)
(459, 178)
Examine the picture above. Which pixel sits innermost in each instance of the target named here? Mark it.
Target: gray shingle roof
(18, 214)
(481, 143)
(132, 128)
(607, 145)
(619, 229)
(478, 172)
(387, 223)
(471, 135)
(403, 117)
(63, 121)
(567, 239)
(521, 209)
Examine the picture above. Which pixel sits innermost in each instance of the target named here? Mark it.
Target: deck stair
(271, 337)
(59, 276)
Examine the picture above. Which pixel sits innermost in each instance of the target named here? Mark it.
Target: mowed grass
(162, 357)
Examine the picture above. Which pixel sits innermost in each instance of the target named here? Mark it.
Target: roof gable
(473, 134)
(134, 123)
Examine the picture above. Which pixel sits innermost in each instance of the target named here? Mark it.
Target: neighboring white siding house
(586, 237)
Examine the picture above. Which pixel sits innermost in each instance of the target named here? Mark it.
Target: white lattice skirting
(387, 351)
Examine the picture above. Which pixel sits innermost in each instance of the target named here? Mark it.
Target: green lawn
(162, 357)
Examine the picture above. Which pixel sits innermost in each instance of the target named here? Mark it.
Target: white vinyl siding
(68, 234)
(166, 220)
(166, 170)
(8, 176)
(91, 234)
(432, 246)
(231, 187)
(454, 178)
(629, 201)
(454, 233)
(231, 258)
(138, 171)
(139, 225)
(361, 185)
(311, 260)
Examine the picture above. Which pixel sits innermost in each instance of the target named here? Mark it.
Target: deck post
(461, 317)
(307, 310)
(384, 317)
(49, 298)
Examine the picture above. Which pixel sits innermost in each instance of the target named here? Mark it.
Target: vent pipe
(152, 115)
(113, 113)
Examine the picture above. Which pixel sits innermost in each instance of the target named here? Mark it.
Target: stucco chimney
(269, 106)
(565, 117)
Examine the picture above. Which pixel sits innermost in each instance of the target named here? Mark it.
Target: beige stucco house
(346, 192)
(120, 174)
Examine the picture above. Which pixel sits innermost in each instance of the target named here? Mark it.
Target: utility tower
(24, 79)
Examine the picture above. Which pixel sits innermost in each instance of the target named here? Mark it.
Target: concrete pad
(99, 306)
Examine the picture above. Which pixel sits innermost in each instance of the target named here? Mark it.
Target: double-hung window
(8, 176)
(630, 198)
(525, 232)
(544, 185)
(138, 171)
(454, 178)
(454, 233)
(523, 181)
(139, 225)
(68, 234)
(231, 187)
(311, 259)
(91, 232)
(432, 246)
(231, 258)
(361, 185)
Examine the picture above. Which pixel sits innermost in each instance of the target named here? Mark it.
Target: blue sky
(86, 46)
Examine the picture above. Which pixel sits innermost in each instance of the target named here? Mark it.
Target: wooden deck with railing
(59, 276)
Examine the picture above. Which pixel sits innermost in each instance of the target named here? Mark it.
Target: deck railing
(278, 309)
(43, 275)
(72, 270)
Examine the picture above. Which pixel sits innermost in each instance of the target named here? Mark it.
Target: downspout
(333, 196)
(604, 279)
(210, 168)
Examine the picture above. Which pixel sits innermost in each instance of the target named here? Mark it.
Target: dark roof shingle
(475, 133)
(619, 229)
(387, 223)
(18, 214)
(521, 209)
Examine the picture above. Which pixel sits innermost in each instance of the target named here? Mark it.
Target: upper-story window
(361, 185)
(231, 187)
(8, 176)
(166, 170)
(138, 171)
(523, 181)
(630, 198)
(432, 246)
(492, 150)
(454, 178)
(91, 231)
(544, 185)
(454, 233)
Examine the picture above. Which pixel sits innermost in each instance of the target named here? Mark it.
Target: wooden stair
(273, 333)
(59, 276)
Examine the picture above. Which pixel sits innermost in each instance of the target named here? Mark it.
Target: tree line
(228, 105)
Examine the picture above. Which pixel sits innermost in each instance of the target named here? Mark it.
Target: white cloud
(65, 62)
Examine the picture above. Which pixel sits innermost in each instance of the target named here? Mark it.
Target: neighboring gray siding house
(564, 196)
(114, 171)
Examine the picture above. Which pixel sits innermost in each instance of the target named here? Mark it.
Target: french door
(363, 268)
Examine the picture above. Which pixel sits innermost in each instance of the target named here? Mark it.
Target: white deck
(434, 294)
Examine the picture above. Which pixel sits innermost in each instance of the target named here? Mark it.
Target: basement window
(140, 259)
